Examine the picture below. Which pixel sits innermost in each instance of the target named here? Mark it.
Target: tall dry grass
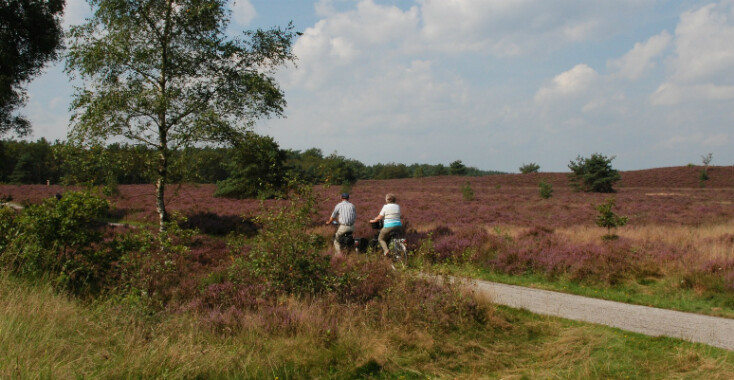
(47, 335)
(708, 242)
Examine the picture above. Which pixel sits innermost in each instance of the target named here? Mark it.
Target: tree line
(255, 167)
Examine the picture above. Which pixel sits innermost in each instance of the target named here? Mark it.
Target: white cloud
(324, 8)
(520, 27)
(570, 83)
(243, 12)
(697, 139)
(702, 68)
(704, 47)
(640, 59)
(721, 139)
(669, 94)
(347, 46)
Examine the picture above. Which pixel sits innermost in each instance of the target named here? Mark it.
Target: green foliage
(151, 265)
(99, 165)
(284, 255)
(703, 176)
(546, 189)
(61, 238)
(457, 168)
(594, 173)
(529, 168)
(256, 169)
(8, 229)
(30, 36)
(389, 171)
(466, 192)
(311, 166)
(166, 75)
(201, 164)
(608, 219)
(25, 162)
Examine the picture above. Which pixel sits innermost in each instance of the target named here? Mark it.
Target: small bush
(529, 168)
(546, 189)
(467, 193)
(152, 268)
(61, 237)
(594, 173)
(284, 255)
(608, 219)
(703, 176)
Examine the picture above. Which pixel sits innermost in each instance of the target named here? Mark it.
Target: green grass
(665, 293)
(47, 335)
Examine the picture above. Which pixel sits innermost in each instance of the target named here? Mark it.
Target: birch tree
(164, 73)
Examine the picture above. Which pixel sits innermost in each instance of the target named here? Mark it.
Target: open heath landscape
(253, 289)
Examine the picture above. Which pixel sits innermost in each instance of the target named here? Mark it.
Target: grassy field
(47, 335)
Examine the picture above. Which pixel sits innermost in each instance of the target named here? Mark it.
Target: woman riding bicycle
(390, 213)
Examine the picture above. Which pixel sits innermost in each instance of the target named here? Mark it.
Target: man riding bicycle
(345, 214)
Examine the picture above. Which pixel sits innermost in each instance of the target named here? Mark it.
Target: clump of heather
(460, 246)
(541, 251)
(713, 275)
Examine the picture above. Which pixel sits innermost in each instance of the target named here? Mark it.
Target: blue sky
(494, 83)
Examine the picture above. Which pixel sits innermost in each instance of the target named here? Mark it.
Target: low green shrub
(60, 237)
(546, 189)
(286, 257)
(608, 219)
(529, 168)
(467, 192)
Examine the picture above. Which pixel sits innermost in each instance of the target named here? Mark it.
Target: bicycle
(396, 244)
(349, 242)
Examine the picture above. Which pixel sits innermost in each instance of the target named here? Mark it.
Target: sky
(493, 83)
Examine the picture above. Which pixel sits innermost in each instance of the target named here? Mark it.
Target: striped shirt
(345, 213)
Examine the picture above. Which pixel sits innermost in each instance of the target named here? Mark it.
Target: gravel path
(714, 331)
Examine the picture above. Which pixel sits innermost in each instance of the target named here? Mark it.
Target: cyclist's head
(345, 195)
(390, 198)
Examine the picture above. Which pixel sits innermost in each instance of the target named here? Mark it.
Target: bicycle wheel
(398, 251)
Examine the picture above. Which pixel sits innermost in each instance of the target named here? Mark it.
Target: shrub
(608, 219)
(60, 237)
(152, 267)
(546, 189)
(284, 255)
(257, 169)
(703, 176)
(529, 168)
(467, 193)
(594, 173)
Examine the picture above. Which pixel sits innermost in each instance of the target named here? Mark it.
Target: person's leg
(339, 232)
(384, 233)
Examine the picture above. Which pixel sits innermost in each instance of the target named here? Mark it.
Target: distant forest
(257, 162)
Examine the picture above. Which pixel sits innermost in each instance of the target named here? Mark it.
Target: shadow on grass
(220, 225)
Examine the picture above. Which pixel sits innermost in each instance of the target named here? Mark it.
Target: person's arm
(379, 217)
(333, 215)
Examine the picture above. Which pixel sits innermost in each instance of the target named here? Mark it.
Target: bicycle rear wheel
(398, 251)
